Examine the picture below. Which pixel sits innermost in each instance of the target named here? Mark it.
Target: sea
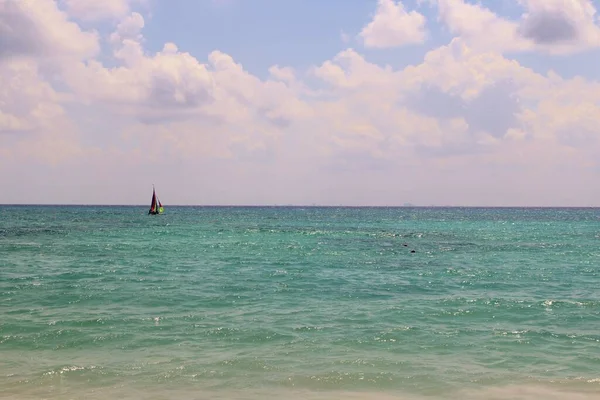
(294, 303)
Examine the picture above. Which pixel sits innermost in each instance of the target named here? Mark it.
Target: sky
(327, 102)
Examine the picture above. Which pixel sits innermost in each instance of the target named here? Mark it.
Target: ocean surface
(299, 303)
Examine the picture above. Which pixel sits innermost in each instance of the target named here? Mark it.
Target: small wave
(490, 393)
(308, 328)
(531, 392)
(67, 369)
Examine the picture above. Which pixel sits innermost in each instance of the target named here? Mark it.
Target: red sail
(153, 203)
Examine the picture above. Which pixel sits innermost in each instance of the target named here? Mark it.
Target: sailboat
(155, 206)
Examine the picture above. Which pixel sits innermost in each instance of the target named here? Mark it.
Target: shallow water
(222, 302)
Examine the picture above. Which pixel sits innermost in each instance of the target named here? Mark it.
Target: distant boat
(155, 206)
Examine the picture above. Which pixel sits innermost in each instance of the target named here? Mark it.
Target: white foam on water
(125, 392)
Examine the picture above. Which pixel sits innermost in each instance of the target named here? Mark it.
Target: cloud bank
(88, 116)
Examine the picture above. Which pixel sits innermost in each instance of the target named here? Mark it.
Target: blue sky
(262, 33)
(297, 102)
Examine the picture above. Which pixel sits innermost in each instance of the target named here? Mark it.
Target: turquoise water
(323, 303)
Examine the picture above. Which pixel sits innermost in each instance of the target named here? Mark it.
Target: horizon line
(282, 205)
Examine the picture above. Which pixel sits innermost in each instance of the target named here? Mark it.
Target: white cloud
(129, 28)
(349, 70)
(27, 101)
(561, 23)
(551, 26)
(174, 84)
(167, 82)
(94, 10)
(37, 28)
(465, 111)
(393, 26)
(458, 104)
(480, 27)
(285, 74)
(34, 126)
